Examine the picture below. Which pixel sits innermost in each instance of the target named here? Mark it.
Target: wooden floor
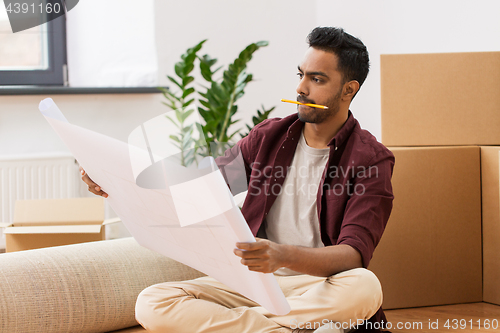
(136, 329)
(460, 318)
(448, 318)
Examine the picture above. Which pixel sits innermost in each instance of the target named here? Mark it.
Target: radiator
(53, 176)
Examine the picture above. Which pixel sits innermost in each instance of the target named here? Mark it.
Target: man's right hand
(93, 187)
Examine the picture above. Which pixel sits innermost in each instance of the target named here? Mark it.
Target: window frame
(56, 71)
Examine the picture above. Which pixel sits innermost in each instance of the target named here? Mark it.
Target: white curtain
(112, 44)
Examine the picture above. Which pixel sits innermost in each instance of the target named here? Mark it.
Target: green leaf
(187, 80)
(187, 92)
(175, 82)
(173, 98)
(186, 129)
(163, 90)
(215, 71)
(188, 68)
(171, 105)
(179, 69)
(204, 103)
(203, 113)
(205, 72)
(186, 142)
(173, 122)
(190, 58)
(187, 114)
(188, 103)
(199, 45)
(176, 139)
(218, 93)
(239, 63)
(208, 60)
(235, 132)
(234, 109)
(189, 153)
(178, 115)
(239, 95)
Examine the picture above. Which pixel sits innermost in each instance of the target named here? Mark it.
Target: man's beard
(318, 115)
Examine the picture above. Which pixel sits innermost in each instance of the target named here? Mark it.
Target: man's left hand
(262, 256)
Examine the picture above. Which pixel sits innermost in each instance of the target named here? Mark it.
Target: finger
(251, 254)
(251, 246)
(238, 252)
(82, 171)
(259, 269)
(93, 187)
(95, 191)
(251, 262)
(86, 179)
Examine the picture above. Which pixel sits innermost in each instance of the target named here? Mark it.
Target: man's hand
(262, 256)
(93, 187)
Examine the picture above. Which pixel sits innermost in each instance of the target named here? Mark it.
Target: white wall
(424, 26)
(385, 26)
(230, 26)
(23, 130)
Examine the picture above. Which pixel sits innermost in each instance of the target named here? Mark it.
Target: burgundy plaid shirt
(354, 198)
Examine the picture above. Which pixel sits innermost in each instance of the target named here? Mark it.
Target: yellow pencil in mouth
(307, 104)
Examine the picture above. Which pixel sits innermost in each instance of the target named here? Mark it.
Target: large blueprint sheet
(192, 219)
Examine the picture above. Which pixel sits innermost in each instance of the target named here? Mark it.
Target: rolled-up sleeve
(369, 207)
(235, 164)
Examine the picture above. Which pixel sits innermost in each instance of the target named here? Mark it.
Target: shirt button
(283, 146)
(336, 148)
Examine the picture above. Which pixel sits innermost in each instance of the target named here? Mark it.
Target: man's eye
(300, 75)
(317, 80)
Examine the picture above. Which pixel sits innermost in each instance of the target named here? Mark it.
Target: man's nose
(302, 87)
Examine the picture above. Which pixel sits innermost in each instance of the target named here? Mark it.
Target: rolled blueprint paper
(187, 215)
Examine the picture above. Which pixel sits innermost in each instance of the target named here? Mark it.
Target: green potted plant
(217, 102)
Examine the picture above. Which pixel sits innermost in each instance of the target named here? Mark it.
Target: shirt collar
(342, 135)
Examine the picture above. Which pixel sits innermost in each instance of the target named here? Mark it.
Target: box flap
(75, 211)
(55, 229)
(5, 224)
(111, 220)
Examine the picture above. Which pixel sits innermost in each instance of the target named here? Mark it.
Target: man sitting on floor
(319, 197)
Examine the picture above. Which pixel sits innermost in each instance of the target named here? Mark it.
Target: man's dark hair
(354, 62)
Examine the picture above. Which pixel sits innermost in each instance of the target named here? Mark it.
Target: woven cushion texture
(89, 287)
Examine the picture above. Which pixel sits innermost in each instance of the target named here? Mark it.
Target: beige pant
(206, 305)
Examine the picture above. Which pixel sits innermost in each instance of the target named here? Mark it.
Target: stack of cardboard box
(55, 222)
(441, 119)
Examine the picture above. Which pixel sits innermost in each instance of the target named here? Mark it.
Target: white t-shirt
(293, 218)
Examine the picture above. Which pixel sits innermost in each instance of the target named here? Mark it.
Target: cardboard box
(491, 223)
(430, 253)
(440, 99)
(54, 222)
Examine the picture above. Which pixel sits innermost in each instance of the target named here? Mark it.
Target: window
(36, 56)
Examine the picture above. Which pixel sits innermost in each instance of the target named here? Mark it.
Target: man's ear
(350, 89)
